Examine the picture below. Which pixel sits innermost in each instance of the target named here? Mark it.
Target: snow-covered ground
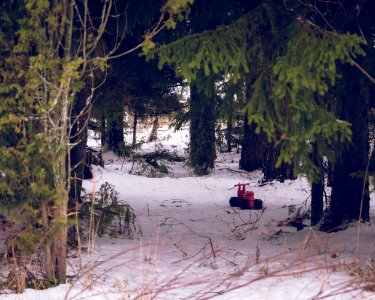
(195, 246)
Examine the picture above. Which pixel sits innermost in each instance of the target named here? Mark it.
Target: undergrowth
(154, 164)
(101, 213)
(111, 216)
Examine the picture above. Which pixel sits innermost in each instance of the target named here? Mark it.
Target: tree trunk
(103, 137)
(62, 185)
(135, 124)
(316, 201)
(154, 132)
(202, 128)
(270, 170)
(253, 146)
(229, 135)
(60, 238)
(230, 126)
(78, 138)
(270, 155)
(116, 135)
(317, 190)
(350, 191)
(48, 260)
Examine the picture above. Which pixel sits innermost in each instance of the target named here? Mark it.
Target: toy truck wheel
(244, 204)
(258, 204)
(234, 201)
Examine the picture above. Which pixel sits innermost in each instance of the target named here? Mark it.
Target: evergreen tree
(136, 88)
(48, 50)
(125, 84)
(36, 95)
(189, 52)
(293, 58)
(350, 192)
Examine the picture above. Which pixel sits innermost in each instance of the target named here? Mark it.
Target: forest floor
(193, 245)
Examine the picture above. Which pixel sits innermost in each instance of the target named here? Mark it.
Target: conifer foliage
(38, 79)
(52, 52)
(270, 42)
(294, 56)
(48, 54)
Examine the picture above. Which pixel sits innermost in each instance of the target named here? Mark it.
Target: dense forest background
(291, 82)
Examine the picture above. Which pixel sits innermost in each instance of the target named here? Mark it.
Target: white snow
(195, 246)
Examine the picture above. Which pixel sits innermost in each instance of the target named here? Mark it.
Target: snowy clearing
(195, 246)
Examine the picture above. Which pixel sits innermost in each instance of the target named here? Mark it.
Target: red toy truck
(245, 199)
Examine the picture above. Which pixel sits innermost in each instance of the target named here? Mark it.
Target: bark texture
(317, 188)
(253, 146)
(202, 130)
(350, 191)
(116, 133)
(154, 132)
(78, 138)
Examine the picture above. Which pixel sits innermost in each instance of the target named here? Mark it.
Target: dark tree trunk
(116, 140)
(257, 153)
(135, 123)
(253, 146)
(202, 128)
(78, 137)
(317, 189)
(103, 138)
(316, 202)
(229, 135)
(230, 127)
(270, 171)
(154, 132)
(350, 191)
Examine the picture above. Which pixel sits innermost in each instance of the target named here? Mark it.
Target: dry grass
(200, 276)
